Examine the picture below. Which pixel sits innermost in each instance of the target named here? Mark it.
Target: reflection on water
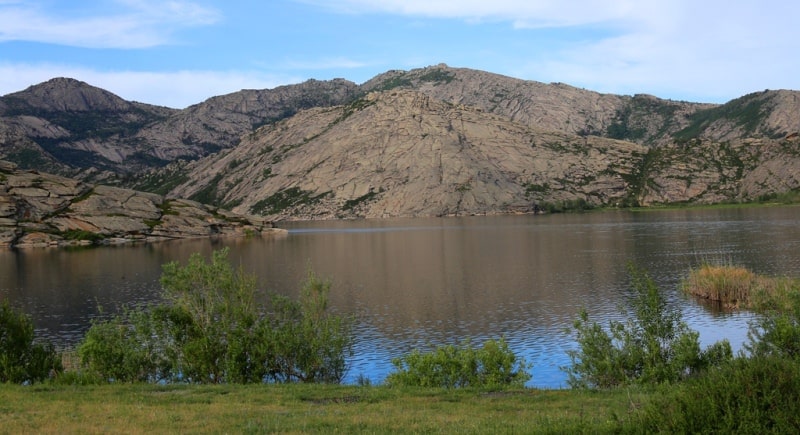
(417, 282)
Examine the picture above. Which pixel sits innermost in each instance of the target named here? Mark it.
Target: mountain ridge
(521, 146)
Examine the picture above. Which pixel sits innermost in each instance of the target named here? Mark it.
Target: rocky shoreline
(39, 210)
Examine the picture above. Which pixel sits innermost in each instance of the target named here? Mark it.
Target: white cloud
(711, 50)
(176, 89)
(524, 13)
(142, 24)
(714, 49)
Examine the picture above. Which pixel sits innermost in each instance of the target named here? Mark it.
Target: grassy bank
(298, 408)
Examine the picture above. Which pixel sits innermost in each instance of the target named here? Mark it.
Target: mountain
(82, 129)
(559, 107)
(430, 141)
(405, 153)
(75, 126)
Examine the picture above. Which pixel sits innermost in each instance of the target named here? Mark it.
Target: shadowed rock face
(81, 126)
(38, 209)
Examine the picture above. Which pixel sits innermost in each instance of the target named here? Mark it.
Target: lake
(418, 282)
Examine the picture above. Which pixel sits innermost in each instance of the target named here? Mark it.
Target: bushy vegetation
(22, 358)
(777, 332)
(757, 392)
(284, 199)
(653, 346)
(492, 365)
(748, 395)
(210, 330)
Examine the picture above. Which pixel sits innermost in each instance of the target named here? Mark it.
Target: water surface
(417, 282)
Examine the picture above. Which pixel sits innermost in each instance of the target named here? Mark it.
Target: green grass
(301, 408)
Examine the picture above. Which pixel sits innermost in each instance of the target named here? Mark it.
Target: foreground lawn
(144, 408)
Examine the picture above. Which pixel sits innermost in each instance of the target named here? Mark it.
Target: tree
(210, 330)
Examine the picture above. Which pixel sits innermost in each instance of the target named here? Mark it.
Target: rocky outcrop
(38, 209)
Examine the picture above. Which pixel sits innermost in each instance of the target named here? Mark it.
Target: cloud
(176, 89)
(712, 50)
(141, 24)
(524, 13)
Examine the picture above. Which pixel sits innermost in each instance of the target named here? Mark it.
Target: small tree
(653, 346)
(210, 330)
(311, 345)
(22, 358)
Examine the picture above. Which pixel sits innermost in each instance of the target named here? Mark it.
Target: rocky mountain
(80, 130)
(405, 153)
(559, 107)
(430, 141)
(39, 209)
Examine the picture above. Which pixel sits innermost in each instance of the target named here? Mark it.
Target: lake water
(420, 282)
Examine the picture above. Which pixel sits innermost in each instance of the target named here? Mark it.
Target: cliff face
(39, 209)
(430, 141)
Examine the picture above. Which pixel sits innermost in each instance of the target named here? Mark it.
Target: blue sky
(180, 52)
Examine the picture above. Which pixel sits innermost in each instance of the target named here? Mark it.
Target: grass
(738, 287)
(301, 408)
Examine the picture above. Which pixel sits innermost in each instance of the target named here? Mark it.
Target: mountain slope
(559, 107)
(403, 153)
(80, 126)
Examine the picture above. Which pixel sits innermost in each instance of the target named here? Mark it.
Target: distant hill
(430, 141)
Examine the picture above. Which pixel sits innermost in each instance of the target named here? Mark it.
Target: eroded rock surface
(38, 209)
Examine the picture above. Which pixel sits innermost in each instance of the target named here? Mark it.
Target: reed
(739, 288)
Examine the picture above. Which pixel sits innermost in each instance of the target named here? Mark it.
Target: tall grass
(739, 287)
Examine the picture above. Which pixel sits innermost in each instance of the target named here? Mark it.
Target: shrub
(747, 395)
(653, 346)
(493, 365)
(777, 332)
(211, 331)
(310, 345)
(22, 358)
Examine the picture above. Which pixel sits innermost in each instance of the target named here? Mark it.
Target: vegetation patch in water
(739, 287)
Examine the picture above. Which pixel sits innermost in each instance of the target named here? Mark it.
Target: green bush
(748, 395)
(493, 365)
(211, 331)
(22, 358)
(310, 345)
(777, 332)
(653, 346)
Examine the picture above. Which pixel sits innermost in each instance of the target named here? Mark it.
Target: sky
(180, 52)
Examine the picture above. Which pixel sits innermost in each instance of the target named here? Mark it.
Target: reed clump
(737, 287)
